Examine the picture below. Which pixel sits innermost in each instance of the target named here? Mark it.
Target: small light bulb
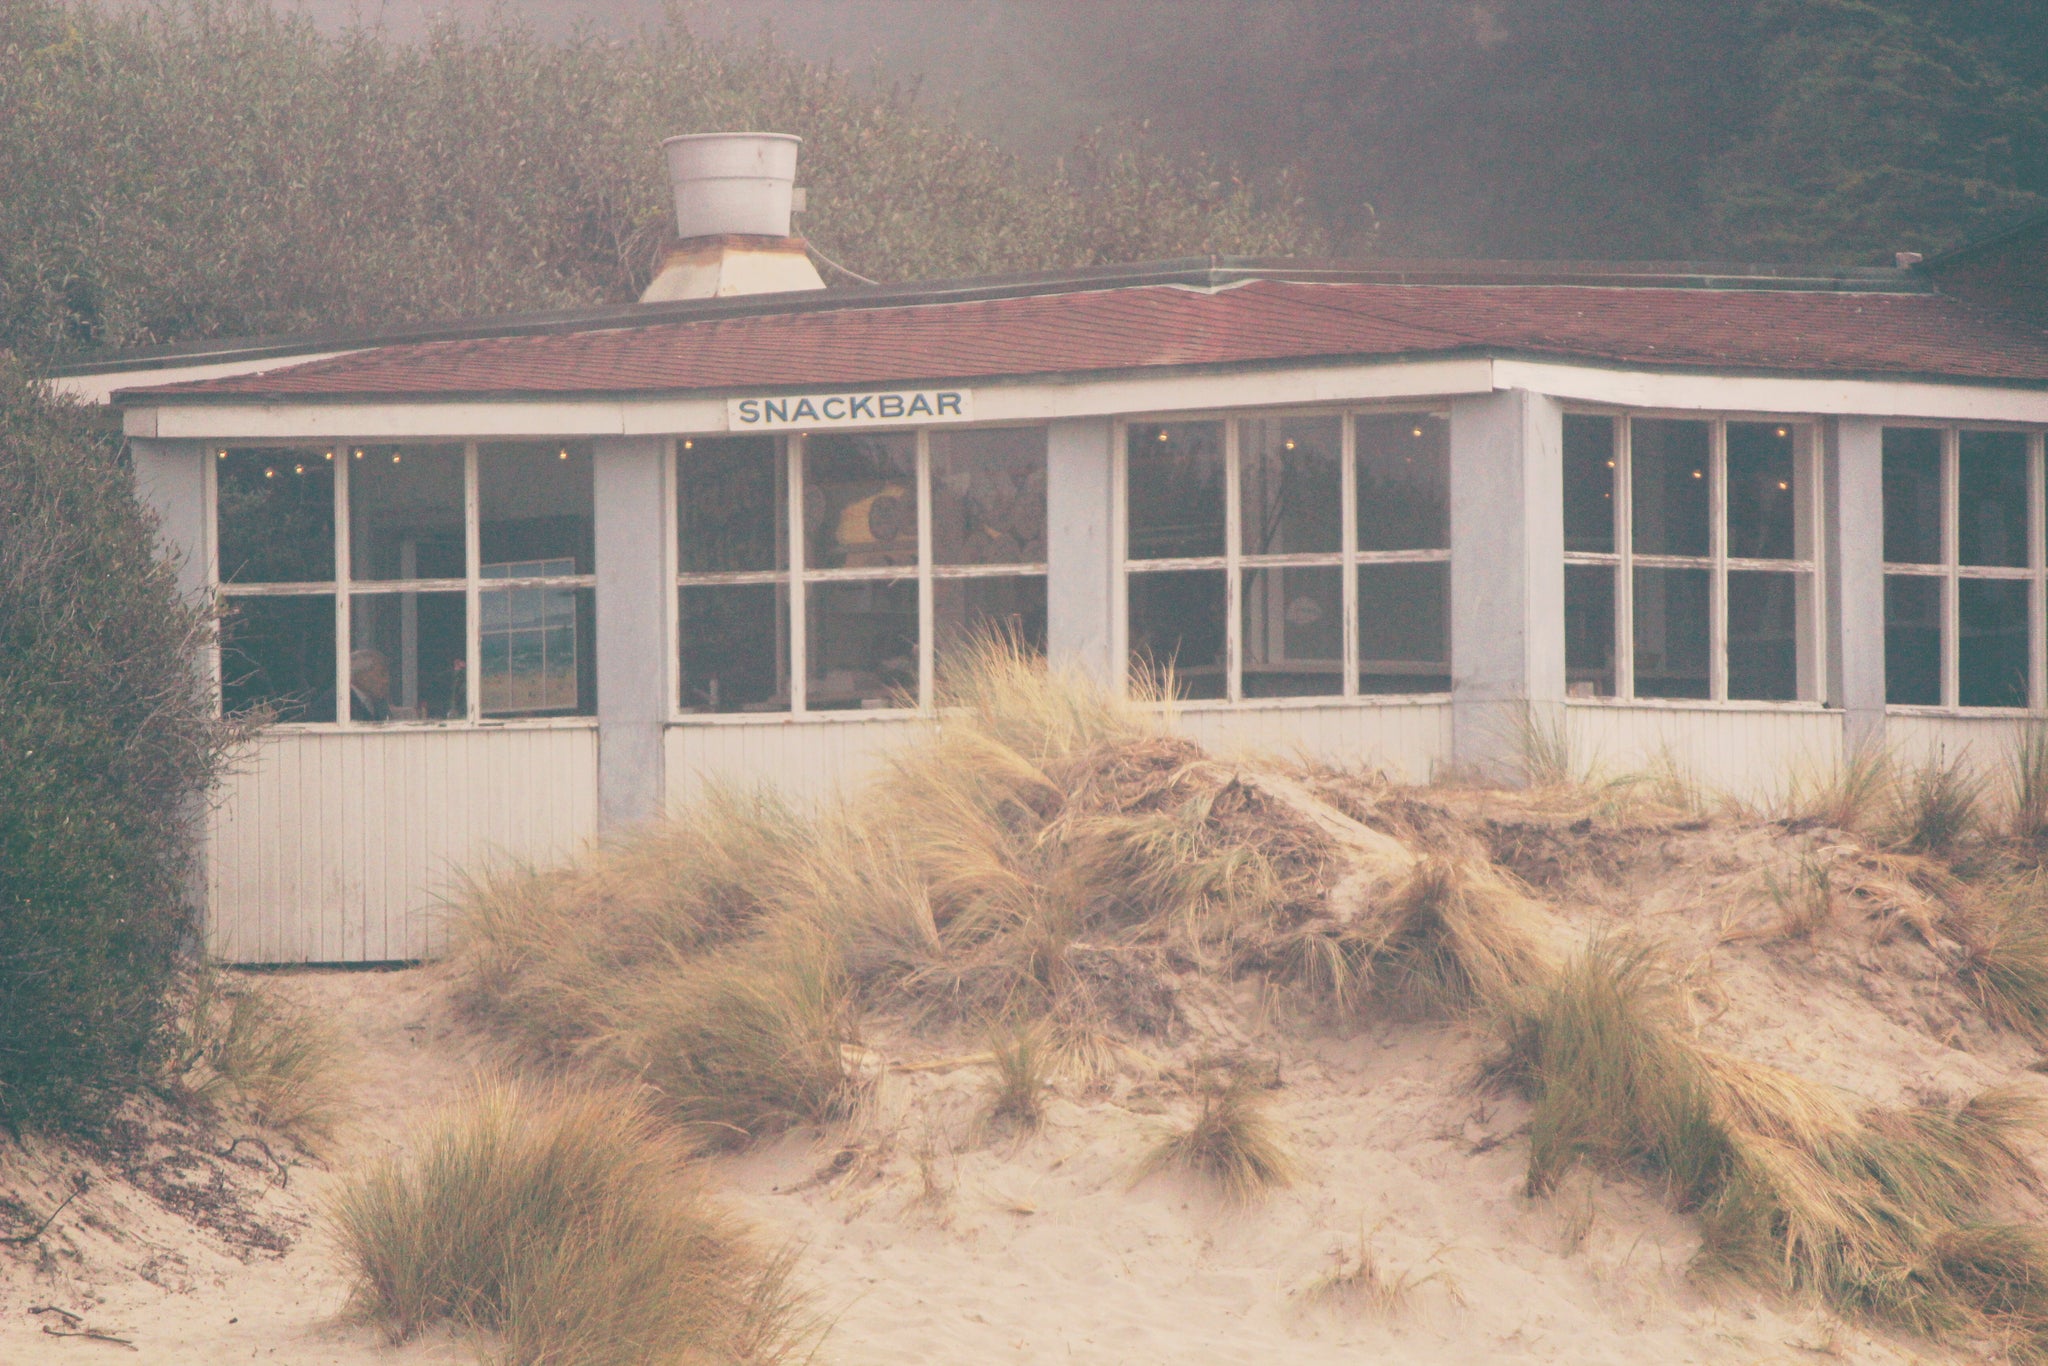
(687, 445)
(1290, 445)
(330, 455)
(298, 469)
(270, 474)
(1784, 432)
(1697, 475)
(1610, 464)
(222, 455)
(1783, 485)
(359, 455)
(1162, 436)
(396, 457)
(1416, 432)
(565, 453)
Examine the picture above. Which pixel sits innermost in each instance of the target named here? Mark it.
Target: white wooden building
(506, 583)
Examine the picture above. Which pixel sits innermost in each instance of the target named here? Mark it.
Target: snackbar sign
(849, 410)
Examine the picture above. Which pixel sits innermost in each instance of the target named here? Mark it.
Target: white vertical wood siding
(1750, 753)
(328, 847)
(1984, 743)
(1408, 741)
(811, 760)
(808, 761)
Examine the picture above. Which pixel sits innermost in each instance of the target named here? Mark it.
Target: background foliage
(107, 741)
(211, 168)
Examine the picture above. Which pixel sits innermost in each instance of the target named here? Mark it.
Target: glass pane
(278, 653)
(1176, 490)
(1589, 483)
(538, 645)
(1912, 495)
(1761, 464)
(534, 503)
(406, 657)
(1589, 630)
(1012, 605)
(1293, 624)
(735, 647)
(1763, 636)
(1991, 517)
(1292, 495)
(1912, 639)
(1177, 620)
(860, 501)
(732, 505)
(275, 515)
(405, 512)
(863, 645)
(1404, 482)
(988, 496)
(1668, 466)
(1991, 656)
(1403, 634)
(1671, 633)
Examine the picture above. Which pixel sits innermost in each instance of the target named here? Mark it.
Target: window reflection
(1175, 490)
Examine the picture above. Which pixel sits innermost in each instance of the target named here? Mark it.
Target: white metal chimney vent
(732, 182)
(734, 193)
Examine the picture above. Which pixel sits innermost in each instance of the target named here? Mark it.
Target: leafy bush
(211, 168)
(107, 741)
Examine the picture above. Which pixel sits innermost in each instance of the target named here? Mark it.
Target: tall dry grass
(1879, 1211)
(567, 1226)
(1230, 1142)
(234, 1041)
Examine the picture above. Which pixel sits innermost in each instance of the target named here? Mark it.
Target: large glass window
(911, 543)
(1963, 567)
(372, 584)
(1690, 561)
(1289, 556)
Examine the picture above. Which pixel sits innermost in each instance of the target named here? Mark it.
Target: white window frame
(1623, 561)
(1347, 559)
(1951, 571)
(798, 578)
(344, 588)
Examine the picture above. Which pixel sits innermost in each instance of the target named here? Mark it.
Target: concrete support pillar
(170, 481)
(1852, 481)
(1507, 576)
(633, 595)
(1080, 552)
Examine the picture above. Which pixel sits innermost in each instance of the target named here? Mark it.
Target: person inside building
(369, 688)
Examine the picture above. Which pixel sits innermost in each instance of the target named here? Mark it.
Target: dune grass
(567, 1227)
(1937, 805)
(1230, 1142)
(2026, 765)
(1016, 1093)
(235, 1041)
(1853, 795)
(1879, 1211)
(2005, 937)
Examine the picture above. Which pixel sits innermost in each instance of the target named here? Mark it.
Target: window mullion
(1717, 549)
(2037, 591)
(926, 665)
(1233, 587)
(799, 645)
(210, 561)
(472, 551)
(1625, 574)
(1119, 550)
(1347, 497)
(1951, 633)
(671, 565)
(344, 573)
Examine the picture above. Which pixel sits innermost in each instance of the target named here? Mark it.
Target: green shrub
(208, 168)
(107, 741)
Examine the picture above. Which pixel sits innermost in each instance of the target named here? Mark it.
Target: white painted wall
(1753, 753)
(327, 847)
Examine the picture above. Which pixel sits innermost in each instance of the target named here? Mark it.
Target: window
(420, 582)
(1690, 559)
(910, 542)
(1963, 567)
(1289, 556)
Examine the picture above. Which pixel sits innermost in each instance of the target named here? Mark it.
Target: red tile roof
(1135, 328)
